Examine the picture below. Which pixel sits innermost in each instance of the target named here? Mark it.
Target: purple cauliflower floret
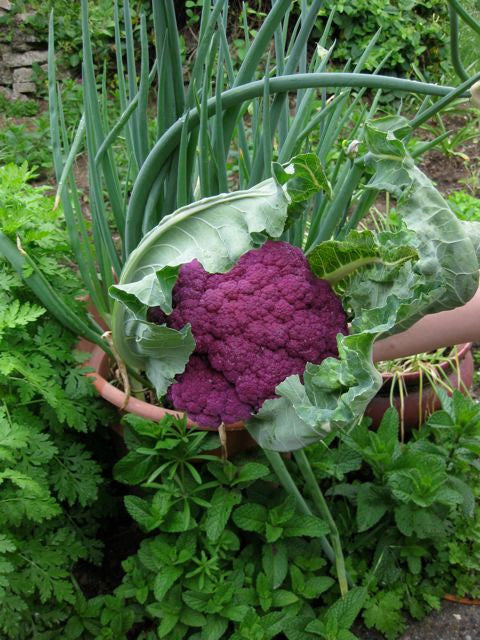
(214, 399)
(253, 326)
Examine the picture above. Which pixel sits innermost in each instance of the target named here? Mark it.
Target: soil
(460, 167)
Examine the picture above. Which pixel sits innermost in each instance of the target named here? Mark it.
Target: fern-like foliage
(48, 478)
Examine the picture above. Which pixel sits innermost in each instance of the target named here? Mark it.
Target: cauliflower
(254, 326)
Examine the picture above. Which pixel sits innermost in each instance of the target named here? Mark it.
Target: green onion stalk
(333, 551)
(163, 149)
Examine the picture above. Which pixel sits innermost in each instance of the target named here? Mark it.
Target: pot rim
(98, 359)
(463, 349)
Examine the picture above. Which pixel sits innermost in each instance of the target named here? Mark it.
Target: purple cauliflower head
(254, 326)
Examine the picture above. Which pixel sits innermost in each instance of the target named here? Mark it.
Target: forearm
(442, 329)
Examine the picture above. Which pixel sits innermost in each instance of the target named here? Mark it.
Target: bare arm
(442, 329)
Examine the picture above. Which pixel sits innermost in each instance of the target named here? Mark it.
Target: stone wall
(19, 51)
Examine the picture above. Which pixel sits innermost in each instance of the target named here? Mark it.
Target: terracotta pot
(417, 406)
(237, 437)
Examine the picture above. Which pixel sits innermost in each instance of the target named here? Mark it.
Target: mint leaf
(345, 610)
(251, 471)
(275, 563)
(218, 514)
(165, 579)
(372, 504)
(251, 517)
(305, 525)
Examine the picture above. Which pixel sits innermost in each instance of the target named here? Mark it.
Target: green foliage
(469, 40)
(404, 518)
(410, 30)
(193, 10)
(455, 141)
(28, 218)
(68, 27)
(465, 206)
(18, 108)
(226, 556)
(25, 128)
(26, 142)
(48, 479)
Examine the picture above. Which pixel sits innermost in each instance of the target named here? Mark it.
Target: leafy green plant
(451, 142)
(409, 31)
(49, 480)
(28, 142)
(17, 108)
(193, 10)
(404, 508)
(469, 39)
(465, 206)
(226, 556)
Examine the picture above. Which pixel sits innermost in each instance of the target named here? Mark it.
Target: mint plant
(226, 552)
(403, 510)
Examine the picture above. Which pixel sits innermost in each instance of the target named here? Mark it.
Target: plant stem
(279, 467)
(324, 512)
(454, 48)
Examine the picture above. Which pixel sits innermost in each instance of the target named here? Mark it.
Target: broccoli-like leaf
(336, 260)
(447, 253)
(304, 177)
